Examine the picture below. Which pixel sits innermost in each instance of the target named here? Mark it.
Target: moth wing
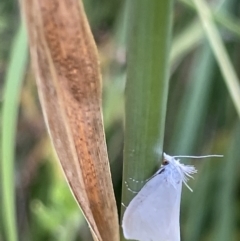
(153, 214)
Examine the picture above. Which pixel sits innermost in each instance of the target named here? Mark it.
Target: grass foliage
(202, 117)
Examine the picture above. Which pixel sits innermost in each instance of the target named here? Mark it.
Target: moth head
(184, 172)
(165, 162)
(168, 159)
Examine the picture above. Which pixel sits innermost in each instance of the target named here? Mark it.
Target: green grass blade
(220, 52)
(192, 110)
(13, 83)
(196, 214)
(224, 209)
(226, 20)
(230, 23)
(185, 42)
(146, 88)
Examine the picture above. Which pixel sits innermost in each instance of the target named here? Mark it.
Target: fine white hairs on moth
(153, 214)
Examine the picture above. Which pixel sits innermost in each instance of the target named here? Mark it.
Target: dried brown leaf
(64, 58)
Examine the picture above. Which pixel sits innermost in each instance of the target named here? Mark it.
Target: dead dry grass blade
(65, 63)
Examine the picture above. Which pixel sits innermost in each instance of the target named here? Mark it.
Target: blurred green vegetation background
(201, 119)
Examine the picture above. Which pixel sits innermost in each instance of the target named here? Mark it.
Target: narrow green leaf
(226, 20)
(224, 209)
(220, 52)
(13, 83)
(186, 41)
(192, 109)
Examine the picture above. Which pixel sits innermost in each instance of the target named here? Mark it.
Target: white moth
(153, 214)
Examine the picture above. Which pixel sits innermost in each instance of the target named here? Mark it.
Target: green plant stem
(220, 52)
(192, 109)
(225, 226)
(191, 36)
(227, 21)
(148, 49)
(13, 82)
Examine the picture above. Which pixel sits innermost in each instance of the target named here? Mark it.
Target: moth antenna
(207, 156)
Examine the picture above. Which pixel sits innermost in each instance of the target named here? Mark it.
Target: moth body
(153, 214)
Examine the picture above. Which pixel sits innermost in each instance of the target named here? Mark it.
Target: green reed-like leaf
(192, 109)
(185, 42)
(13, 83)
(225, 208)
(220, 52)
(226, 20)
